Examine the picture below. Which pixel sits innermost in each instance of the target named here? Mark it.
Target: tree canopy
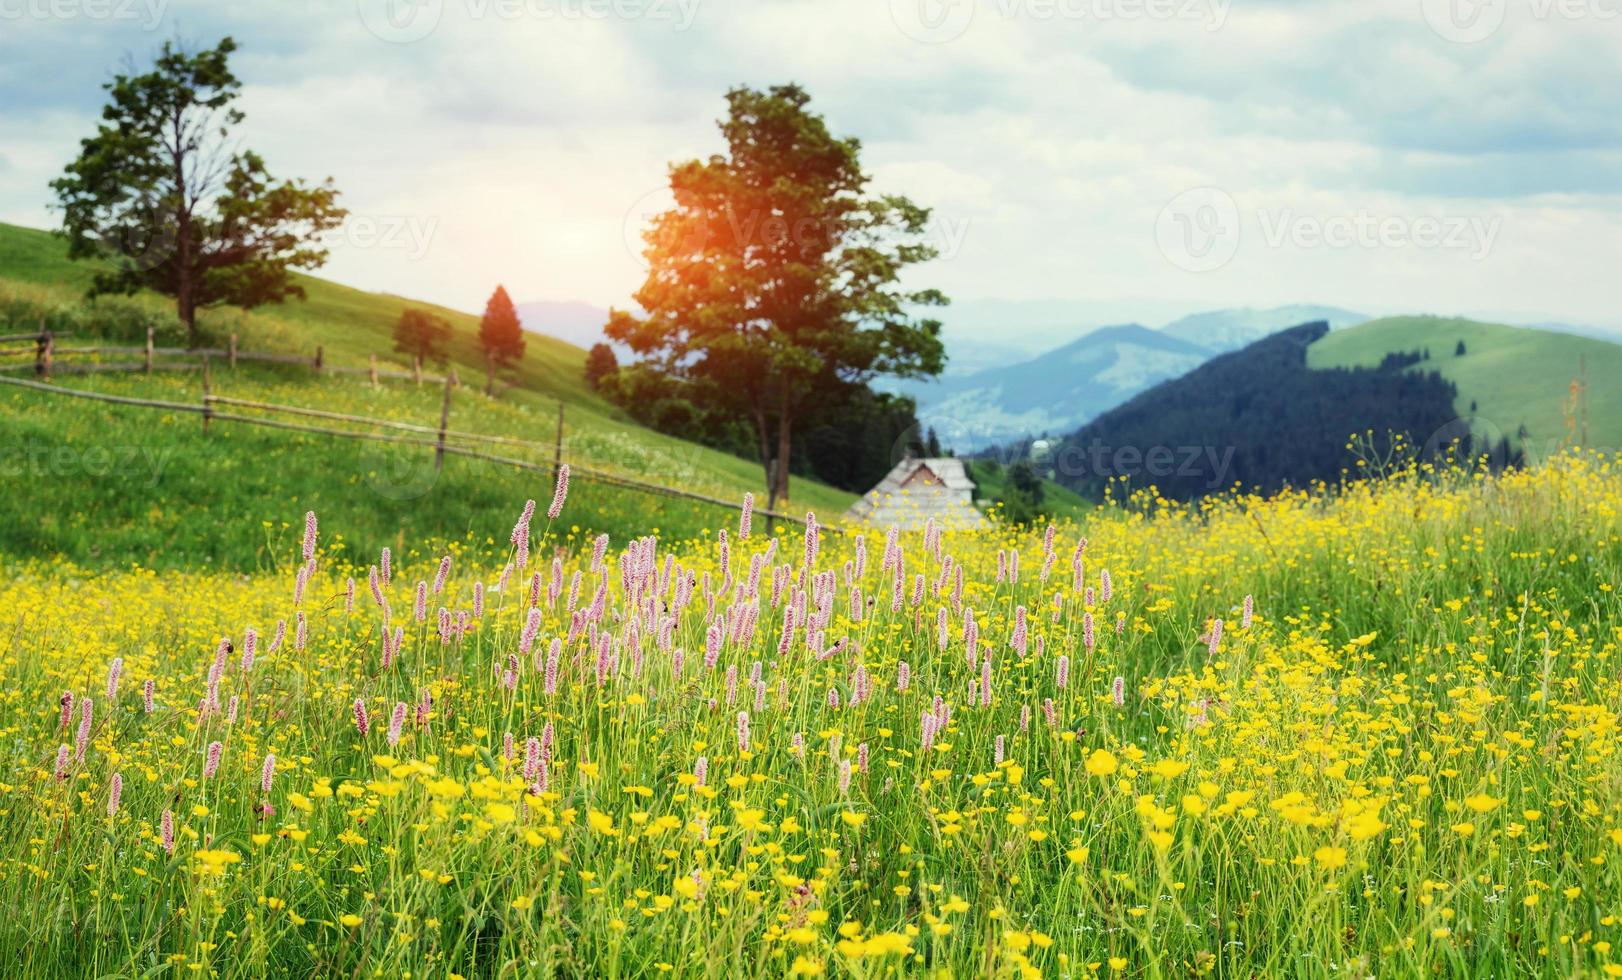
(600, 363)
(774, 281)
(422, 334)
(164, 193)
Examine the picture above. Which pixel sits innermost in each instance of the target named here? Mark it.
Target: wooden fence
(442, 439)
(44, 350)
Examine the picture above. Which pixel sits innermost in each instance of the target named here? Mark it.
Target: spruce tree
(500, 333)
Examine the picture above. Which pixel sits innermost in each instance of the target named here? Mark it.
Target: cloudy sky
(1129, 159)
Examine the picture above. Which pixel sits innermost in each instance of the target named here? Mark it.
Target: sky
(1123, 159)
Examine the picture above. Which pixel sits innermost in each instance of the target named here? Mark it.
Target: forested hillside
(1258, 417)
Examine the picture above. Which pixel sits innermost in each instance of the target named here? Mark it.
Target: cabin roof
(897, 500)
(946, 469)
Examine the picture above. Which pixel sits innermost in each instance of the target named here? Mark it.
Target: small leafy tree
(500, 332)
(419, 333)
(163, 193)
(774, 281)
(600, 363)
(1459, 351)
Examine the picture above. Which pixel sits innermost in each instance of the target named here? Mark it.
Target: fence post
(42, 355)
(232, 352)
(416, 370)
(557, 448)
(208, 402)
(372, 362)
(444, 421)
(148, 350)
(315, 365)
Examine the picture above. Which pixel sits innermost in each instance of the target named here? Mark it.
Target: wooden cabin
(915, 491)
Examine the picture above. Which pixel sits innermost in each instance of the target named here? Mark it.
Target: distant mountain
(981, 334)
(580, 324)
(1225, 330)
(1053, 392)
(1258, 417)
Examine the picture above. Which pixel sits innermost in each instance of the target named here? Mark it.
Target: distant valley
(1058, 391)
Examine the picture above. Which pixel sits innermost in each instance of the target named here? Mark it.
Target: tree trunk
(187, 308)
(766, 461)
(784, 428)
(185, 289)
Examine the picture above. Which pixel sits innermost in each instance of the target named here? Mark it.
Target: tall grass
(1406, 763)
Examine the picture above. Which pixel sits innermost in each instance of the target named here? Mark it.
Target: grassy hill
(349, 323)
(1513, 375)
(137, 485)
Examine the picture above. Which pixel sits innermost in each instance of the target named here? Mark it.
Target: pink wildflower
(559, 493)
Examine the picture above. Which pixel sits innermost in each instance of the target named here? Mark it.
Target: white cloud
(519, 138)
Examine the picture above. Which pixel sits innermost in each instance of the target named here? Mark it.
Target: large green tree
(163, 191)
(774, 281)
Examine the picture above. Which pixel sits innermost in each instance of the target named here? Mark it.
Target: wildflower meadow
(1367, 731)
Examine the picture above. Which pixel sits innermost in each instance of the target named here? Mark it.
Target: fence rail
(44, 350)
(444, 439)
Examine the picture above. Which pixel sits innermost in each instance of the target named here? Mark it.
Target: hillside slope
(1258, 417)
(168, 510)
(1513, 376)
(348, 323)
